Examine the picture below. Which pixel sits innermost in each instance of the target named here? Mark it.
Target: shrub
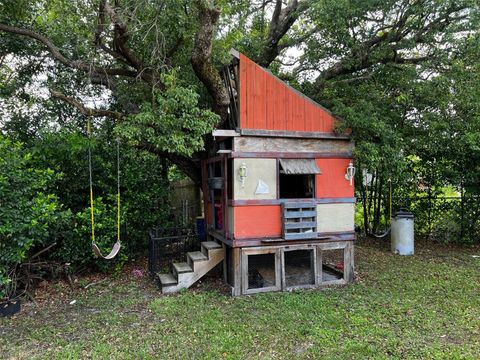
(26, 210)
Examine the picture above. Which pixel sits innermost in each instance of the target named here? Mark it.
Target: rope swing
(117, 245)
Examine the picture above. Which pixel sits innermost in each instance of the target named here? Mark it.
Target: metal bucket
(402, 233)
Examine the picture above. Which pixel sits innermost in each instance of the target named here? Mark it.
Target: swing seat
(113, 253)
(385, 233)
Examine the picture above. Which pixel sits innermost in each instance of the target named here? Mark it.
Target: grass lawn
(423, 306)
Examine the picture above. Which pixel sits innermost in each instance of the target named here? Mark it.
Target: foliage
(144, 189)
(403, 75)
(26, 207)
(166, 120)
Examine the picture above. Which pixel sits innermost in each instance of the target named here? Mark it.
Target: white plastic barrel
(402, 233)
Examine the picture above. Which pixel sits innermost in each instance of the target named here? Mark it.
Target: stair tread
(167, 279)
(182, 267)
(197, 256)
(209, 245)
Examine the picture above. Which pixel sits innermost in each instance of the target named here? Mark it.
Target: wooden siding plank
(257, 144)
(311, 235)
(292, 134)
(243, 91)
(291, 155)
(281, 118)
(307, 204)
(263, 202)
(271, 99)
(300, 225)
(330, 122)
(317, 120)
(308, 117)
(300, 123)
(297, 214)
(250, 95)
(260, 80)
(292, 117)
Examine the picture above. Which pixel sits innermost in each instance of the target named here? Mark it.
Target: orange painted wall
(267, 103)
(331, 182)
(257, 221)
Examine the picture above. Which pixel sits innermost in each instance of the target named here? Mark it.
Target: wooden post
(225, 267)
(281, 262)
(237, 272)
(348, 261)
(318, 273)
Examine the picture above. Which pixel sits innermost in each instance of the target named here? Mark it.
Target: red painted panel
(330, 122)
(270, 104)
(251, 96)
(317, 120)
(243, 91)
(257, 221)
(270, 109)
(291, 111)
(280, 113)
(293, 116)
(311, 116)
(261, 98)
(331, 182)
(300, 120)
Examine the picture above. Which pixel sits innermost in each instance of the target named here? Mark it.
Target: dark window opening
(261, 271)
(216, 188)
(217, 169)
(297, 186)
(299, 268)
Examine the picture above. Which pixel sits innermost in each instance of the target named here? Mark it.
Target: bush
(26, 209)
(144, 188)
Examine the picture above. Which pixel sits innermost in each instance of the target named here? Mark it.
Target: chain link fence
(446, 219)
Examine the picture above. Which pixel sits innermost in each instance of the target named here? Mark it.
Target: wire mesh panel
(446, 219)
(299, 267)
(170, 244)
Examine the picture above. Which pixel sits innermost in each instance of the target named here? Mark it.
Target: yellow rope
(92, 217)
(92, 208)
(118, 216)
(390, 205)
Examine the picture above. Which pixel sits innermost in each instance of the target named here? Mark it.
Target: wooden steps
(185, 274)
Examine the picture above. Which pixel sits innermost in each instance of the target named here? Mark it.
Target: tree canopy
(403, 74)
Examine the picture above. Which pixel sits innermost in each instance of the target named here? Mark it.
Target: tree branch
(86, 110)
(188, 165)
(363, 56)
(282, 20)
(120, 39)
(201, 58)
(58, 56)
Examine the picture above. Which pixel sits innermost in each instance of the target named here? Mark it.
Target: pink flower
(137, 273)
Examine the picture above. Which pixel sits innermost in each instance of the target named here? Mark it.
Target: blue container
(201, 234)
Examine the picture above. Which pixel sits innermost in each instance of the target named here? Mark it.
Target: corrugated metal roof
(299, 166)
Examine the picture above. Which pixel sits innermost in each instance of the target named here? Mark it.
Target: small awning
(299, 166)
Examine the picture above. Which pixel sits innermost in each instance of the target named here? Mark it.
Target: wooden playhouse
(278, 192)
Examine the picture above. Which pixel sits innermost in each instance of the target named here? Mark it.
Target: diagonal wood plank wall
(268, 103)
